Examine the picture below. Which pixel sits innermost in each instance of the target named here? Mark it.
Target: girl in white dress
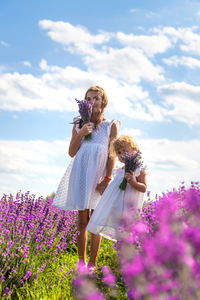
(88, 174)
(106, 218)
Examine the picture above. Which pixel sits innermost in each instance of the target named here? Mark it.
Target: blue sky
(146, 54)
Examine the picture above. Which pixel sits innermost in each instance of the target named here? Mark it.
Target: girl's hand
(86, 129)
(129, 176)
(102, 186)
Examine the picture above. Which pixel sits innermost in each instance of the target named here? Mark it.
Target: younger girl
(108, 213)
(89, 172)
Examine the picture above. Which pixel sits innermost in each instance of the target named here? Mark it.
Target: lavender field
(157, 256)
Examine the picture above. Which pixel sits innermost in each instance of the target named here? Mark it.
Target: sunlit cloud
(184, 100)
(27, 163)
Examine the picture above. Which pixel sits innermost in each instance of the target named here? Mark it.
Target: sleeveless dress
(105, 220)
(77, 189)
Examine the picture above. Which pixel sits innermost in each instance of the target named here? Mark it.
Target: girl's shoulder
(114, 122)
(110, 122)
(105, 125)
(112, 126)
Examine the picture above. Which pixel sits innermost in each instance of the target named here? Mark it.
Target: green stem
(123, 184)
(89, 136)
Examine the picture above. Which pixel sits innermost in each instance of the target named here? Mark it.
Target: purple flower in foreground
(84, 287)
(95, 296)
(81, 268)
(109, 277)
(161, 261)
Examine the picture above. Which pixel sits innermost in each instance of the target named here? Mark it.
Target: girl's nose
(93, 100)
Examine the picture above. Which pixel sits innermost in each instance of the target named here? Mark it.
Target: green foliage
(39, 254)
(51, 196)
(55, 281)
(108, 257)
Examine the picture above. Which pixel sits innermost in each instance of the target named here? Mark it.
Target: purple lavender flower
(132, 162)
(28, 229)
(27, 275)
(109, 277)
(85, 110)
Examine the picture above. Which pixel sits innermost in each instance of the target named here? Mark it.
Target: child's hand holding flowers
(129, 176)
(132, 162)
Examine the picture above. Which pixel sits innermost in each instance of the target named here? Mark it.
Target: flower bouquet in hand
(85, 111)
(132, 162)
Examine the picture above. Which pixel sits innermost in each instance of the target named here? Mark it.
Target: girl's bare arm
(110, 162)
(77, 137)
(140, 184)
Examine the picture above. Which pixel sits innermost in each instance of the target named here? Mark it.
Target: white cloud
(126, 64)
(54, 90)
(31, 165)
(189, 62)
(57, 88)
(39, 165)
(188, 38)
(170, 162)
(121, 71)
(174, 33)
(184, 100)
(133, 132)
(27, 64)
(191, 42)
(149, 44)
(129, 63)
(76, 38)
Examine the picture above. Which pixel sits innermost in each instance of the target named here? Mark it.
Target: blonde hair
(119, 142)
(99, 89)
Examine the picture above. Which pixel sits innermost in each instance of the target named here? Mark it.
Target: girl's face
(95, 98)
(123, 151)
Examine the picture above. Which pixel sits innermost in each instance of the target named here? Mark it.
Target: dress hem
(99, 229)
(72, 208)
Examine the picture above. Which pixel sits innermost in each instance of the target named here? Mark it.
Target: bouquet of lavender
(132, 162)
(85, 110)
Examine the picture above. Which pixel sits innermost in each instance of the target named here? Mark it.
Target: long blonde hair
(99, 89)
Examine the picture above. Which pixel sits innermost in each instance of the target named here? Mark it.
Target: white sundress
(105, 220)
(77, 189)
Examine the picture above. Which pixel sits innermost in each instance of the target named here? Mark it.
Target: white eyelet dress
(77, 189)
(114, 202)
